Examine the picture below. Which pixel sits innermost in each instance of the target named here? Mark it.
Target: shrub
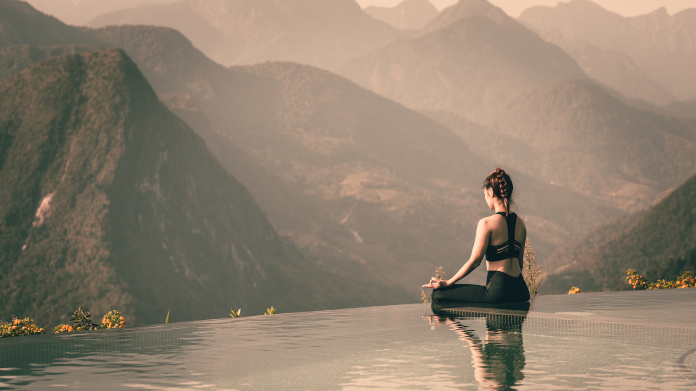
(685, 280)
(82, 320)
(439, 273)
(19, 327)
(63, 328)
(113, 320)
(531, 269)
(574, 291)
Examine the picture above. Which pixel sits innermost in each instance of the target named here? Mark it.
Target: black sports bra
(511, 249)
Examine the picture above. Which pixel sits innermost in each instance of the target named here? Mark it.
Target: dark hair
(501, 184)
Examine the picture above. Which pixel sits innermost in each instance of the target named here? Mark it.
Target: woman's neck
(500, 207)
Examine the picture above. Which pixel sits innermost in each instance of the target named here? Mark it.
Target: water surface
(617, 340)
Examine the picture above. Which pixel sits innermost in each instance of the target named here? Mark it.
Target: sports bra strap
(511, 221)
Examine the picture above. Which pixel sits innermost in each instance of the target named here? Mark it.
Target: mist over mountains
(574, 129)
(79, 12)
(538, 110)
(661, 45)
(470, 60)
(287, 173)
(323, 33)
(407, 15)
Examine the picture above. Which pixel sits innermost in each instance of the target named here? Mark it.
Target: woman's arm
(520, 257)
(483, 234)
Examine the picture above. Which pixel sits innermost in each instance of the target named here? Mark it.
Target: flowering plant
(18, 327)
(574, 291)
(685, 280)
(113, 320)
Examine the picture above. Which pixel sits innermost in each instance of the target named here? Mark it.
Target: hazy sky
(515, 7)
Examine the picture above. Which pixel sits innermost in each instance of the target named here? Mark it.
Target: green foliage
(574, 291)
(532, 270)
(658, 243)
(82, 320)
(440, 273)
(237, 313)
(685, 280)
(424, 297)
(19, 327)
(270, 311)
(113, 320)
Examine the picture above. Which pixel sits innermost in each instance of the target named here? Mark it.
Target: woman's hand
(436, 283)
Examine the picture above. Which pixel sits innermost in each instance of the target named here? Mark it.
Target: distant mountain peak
(407, 15)
(660, 12)
(466, 9)
(322, 33)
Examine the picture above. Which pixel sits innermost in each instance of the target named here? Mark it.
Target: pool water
(617, 340)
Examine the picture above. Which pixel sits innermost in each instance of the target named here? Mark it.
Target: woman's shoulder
(520, 223)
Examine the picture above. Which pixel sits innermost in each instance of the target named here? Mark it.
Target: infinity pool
(618, 340)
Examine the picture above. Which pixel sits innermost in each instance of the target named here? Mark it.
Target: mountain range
(470, 60)
(79, 12)
(583, 138)
(358, 180)
(360, 191)
(656, 44)
(109, 200)
(407, 15)
(525, 103)
(322, 33)
(657, 243)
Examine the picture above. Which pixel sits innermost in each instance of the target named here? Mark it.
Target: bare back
(498, 237)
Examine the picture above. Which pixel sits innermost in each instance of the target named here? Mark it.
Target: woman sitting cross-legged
(501, 238)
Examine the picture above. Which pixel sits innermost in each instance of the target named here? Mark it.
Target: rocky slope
(110, 201)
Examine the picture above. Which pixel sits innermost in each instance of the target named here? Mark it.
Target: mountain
(371, 190)
(323, 33)
(583, 138)
(659, 43)
(407, 15)
(470, 60)
(658, 243)
(23, 25)
(14, 59)
(362, 183)
(616, 70)
(111, 201)
(82, 11)
(686, 109)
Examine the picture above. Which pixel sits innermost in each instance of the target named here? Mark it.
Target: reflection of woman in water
(501, 239)
(499, 359)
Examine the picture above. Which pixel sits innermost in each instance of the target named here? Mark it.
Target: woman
(501, 239)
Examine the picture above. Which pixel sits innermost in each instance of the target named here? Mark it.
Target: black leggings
(500, 288)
